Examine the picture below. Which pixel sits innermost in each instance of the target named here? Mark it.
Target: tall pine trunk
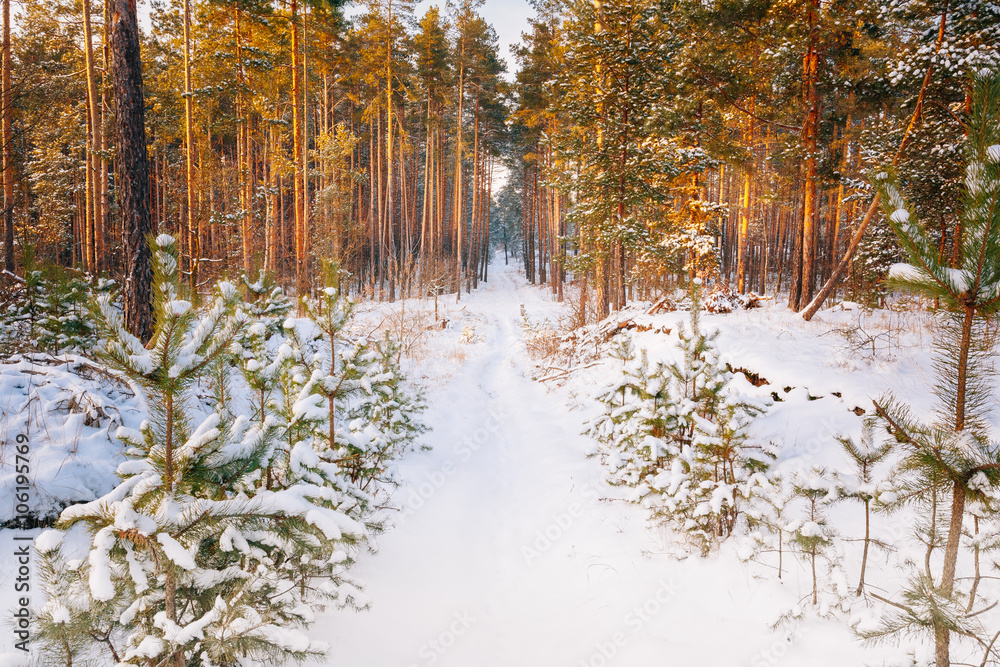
(297, 150)
(804, 276)
(457, 204)
(132, 167)
(8, 152)
(192, 235)
(93, 141)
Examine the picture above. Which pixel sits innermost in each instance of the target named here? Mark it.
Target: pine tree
(714, 468)
(865, 456)
(192, 561)
(345, 397)
(266, 301)
(677, 434)
(951, 454)
(812, 534)
(630, 431)
(769, 518)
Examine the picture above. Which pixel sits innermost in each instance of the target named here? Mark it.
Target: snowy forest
(375, 334)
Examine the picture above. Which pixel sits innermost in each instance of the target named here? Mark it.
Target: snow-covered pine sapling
(630, 430)
(182, 349)
(953, 451)
(385, 416)
(326, 373)
(812, 535)
(187, 552)
(712, 468)
(260, 368)
(677, 434)
(329, 313)
(266, 301)
(700, 378)
(65, 324)
(865, 456)
(768, 517)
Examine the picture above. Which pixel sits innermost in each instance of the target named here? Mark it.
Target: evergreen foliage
(677, 435)
(865, 455)
(50, 311)
(228, 530)
(952, 455)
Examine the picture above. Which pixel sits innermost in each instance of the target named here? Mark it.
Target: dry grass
(543, 343)
(408, 322)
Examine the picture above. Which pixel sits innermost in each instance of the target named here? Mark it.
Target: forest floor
(511, 550)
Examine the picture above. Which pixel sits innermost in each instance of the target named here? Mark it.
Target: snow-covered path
(507, 555)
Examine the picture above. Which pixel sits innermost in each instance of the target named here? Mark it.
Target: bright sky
(508, 17)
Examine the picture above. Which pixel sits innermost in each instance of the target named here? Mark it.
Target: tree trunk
(132, 167)
(192, 236)
(299, 195)
(303, 156)
(962, 382)
(103, 261)
(422, 264)
(457, 205)
(93, 140)
(744, 236)
(942, 635)
(8, 152)
(864, 555)
(389, 184)
(810, 130)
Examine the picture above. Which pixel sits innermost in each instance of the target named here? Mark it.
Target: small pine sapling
(265, 301)
(865, 456)
(385, 417)
(261, 368)
(712, 468)
(346, 397)
(330, 314)
(193, 562)
(312, 386)
(65, 325)
(768, 518)
(677, 434)
(812, 535)
(630, 431)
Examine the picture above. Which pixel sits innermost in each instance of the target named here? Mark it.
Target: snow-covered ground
(509, 548)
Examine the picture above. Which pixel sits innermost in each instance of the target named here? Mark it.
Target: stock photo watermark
(432, 649)
(21, 593)
(605, 651)
(462, 452)
(559, 525)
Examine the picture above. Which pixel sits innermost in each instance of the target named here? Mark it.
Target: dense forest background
(635, 143)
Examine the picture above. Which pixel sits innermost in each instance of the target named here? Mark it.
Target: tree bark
(192, 235)
(942, 635)
(132, 167)
(744, 236)
(810, 130)
(962, 382)
(93, 142)
(103, 261)
(457, 205)
(299, 194)
(8, 152)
